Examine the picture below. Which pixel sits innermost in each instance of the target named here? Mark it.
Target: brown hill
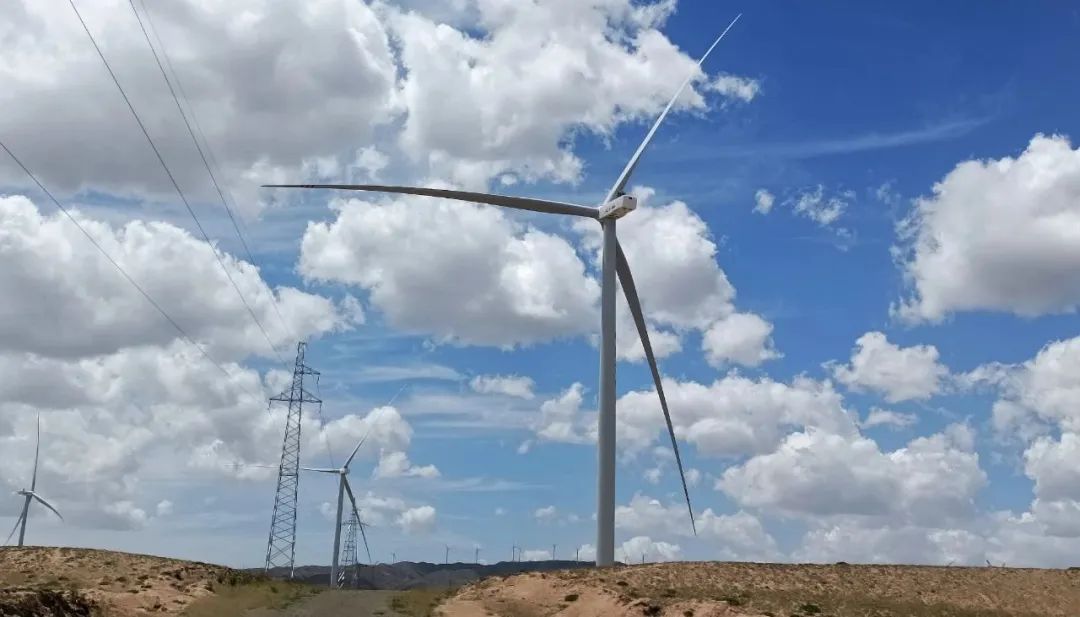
(70, 581)
(779, 590)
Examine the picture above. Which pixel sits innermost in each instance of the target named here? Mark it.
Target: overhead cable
(172, 179)
(179, 329)
(194, 140)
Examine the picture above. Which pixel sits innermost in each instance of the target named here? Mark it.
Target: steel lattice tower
(281, 548)
(349, 564)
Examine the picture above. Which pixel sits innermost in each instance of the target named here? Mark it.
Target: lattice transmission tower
(350, 566)
(281, 548)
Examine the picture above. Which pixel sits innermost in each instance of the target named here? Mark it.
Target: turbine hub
(618, 207)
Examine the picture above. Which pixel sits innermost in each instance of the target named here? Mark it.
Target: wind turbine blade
(620, 184)
(37, 451)
(18, 521)
(622, 268)
(356, 513)
(363, 535)
(46, 504)
(518, 203)
(355, 450)
(321, 469)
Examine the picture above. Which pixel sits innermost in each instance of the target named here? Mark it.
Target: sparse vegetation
(119, 584)
(782, 590)
(419, 602)
(32, 603)
(235, 599)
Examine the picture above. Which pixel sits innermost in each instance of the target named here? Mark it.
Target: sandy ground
(721, 589)
(127, 584)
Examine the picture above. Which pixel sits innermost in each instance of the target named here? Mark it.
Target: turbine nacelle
(618, 207)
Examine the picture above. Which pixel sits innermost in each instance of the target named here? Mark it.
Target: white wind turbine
(29, 495)
(343, 488)
(616, 205)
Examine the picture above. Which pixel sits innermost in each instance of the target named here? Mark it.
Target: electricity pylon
(281, 548)
(350, 566)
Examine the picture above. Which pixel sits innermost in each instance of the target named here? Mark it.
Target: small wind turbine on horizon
(31, 494)
(343, 488)
(616, 205)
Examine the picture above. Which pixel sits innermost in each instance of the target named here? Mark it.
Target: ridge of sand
(728, 589)
(126, 583)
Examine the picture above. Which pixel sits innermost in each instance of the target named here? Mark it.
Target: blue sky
(950, 310)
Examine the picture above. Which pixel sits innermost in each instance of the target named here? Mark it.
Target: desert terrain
(774, 590)
(67, 582)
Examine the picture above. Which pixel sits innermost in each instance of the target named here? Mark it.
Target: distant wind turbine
(343, 488)
(616, 205)
(29, 495)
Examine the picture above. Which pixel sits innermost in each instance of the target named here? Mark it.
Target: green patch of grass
(235, 597)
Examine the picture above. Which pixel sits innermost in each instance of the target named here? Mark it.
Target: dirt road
(336, 604)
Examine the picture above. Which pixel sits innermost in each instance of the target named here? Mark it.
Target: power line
(322, 420)
(194, 140)
(183, 333)
(172, 179)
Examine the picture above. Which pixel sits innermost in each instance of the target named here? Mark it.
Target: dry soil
(716, 589)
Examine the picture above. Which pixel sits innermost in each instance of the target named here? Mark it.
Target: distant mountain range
(411, 575)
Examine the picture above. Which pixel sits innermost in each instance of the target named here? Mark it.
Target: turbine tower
(30, 495)
(343, 488)
(281, 548)
(616, 205)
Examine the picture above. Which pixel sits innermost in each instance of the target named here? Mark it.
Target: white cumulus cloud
(397, 465)
(815, 474)
(417, 521)
(744, 89)
(1023, 257)
(899, 373)
(740, 338)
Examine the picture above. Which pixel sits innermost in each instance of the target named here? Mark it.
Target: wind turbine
(343, 488)
(616, 205)
(28, 495)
